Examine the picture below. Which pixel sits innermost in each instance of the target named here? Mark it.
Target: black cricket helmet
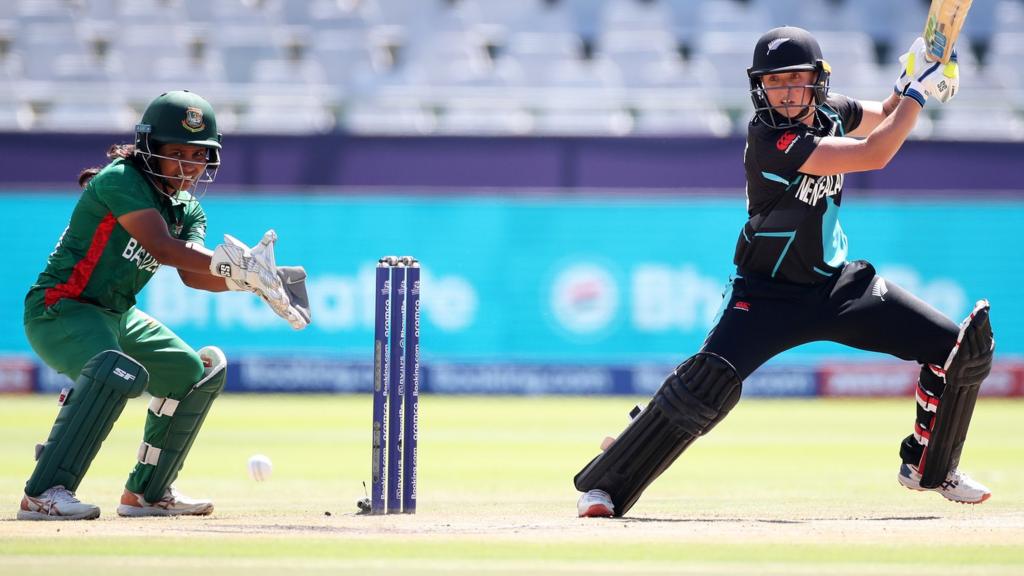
(180, 117)
(787, 49)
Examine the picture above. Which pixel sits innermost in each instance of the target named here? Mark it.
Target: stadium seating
(448, 66)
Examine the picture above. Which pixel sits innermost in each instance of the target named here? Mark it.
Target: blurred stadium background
(601, 67)
(569, 172)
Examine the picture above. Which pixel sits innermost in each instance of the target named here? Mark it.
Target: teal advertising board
(533, 278)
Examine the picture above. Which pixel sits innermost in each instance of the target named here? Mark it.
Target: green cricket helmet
(178, 117)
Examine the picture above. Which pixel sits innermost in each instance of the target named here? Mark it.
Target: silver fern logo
(774, 44)
(880, 289)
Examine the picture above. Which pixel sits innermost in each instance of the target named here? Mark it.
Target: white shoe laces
(955, 478)
(60, 495)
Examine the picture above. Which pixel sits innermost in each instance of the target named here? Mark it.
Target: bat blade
(941, 30)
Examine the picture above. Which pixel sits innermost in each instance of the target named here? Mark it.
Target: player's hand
(296, 315)
(296, 312)
(254, 267)
(293, 281)
(920, 78)
(255, 270)
(291, 303)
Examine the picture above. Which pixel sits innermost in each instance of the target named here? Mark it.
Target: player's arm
(919, 79)
(192, 261)
(231, 266)
(837, 155)
(201, 281)
(873, 114)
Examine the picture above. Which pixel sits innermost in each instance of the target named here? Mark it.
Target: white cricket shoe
(56, 503)
(595, 504)
(173, 503)
(958, 487)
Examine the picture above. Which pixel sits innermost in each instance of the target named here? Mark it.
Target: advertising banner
(594, 280)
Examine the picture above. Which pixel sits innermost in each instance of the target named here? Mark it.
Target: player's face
(789, 93)
(182, 164)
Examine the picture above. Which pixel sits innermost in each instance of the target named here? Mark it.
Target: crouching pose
(138, 212)
(794, 284)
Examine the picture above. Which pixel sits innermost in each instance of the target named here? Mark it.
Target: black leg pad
(694, 398)
(967, 367)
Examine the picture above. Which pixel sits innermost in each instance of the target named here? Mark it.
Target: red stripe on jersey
(83, 269)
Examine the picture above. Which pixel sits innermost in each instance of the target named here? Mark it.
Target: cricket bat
(945, 19)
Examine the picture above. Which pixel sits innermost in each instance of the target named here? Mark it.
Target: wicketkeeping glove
(236, 261)
(255, 270)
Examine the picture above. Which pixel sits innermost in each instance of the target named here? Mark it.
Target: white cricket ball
(260, 467)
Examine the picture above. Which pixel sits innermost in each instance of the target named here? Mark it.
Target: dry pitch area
(781, 487)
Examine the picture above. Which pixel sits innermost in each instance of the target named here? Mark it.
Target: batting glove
(920, 78)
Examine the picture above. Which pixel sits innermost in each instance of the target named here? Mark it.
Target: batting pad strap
(163, 406)
(926, 401)
(149, 454)
(922, 434)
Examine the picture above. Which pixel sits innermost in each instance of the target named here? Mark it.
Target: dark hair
(125, 151)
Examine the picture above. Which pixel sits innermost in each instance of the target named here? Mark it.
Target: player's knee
(699, 393)
(212, 358)
(192, 363)
(971, 359)
(978, 340)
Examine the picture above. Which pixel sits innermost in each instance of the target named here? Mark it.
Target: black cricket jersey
(793, 233)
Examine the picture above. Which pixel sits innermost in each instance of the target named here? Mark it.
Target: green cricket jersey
(96, 260)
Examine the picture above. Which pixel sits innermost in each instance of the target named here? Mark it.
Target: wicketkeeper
(135, 214)
(794, 284)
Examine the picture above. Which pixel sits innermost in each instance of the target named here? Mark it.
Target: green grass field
(780, 487)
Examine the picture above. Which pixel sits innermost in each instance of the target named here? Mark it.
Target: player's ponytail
(124, 151)
(85, 175)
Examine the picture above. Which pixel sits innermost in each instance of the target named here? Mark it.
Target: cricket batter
(137, 213)
(794, 284)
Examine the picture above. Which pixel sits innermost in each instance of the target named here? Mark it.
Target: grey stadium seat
(485, 116)
(682, 118)
(991, 122)
(241, 47)
(103, 115)
(290, 115)
(389, 116)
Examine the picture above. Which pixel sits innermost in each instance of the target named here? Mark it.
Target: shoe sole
(983, 498)
(596, 511)
(139, 512)
(39, 516)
